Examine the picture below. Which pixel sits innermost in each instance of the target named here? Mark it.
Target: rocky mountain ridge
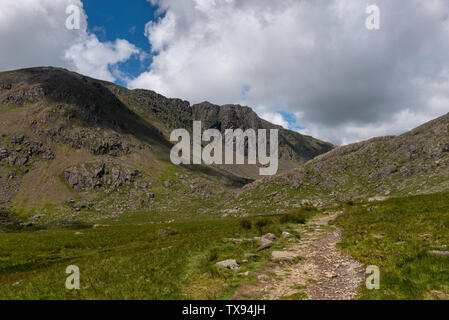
(57, 127)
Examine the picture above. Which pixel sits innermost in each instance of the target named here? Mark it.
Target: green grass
(129, 259)
(139, 256)
(409, 228)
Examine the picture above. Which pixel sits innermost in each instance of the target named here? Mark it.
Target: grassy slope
(410, 228)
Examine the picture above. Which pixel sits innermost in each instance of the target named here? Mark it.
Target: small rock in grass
(377, 236)
(439, 253)
(439, 294)
(230, 264)
(36, 217)
(377, 198)
(250, 255)
(286, 234)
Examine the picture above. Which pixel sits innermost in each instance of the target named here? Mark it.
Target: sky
(311, 66)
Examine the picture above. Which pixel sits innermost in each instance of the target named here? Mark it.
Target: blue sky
(112, 19)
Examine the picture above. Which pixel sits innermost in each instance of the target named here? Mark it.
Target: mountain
(70, 142)
(416, 162)
(168, 114)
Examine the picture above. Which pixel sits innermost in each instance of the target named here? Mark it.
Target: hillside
(416, 162)
(72, 143)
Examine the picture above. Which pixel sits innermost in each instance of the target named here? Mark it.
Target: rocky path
(324, 272)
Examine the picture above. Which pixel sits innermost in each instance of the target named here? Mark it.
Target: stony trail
(323, 273)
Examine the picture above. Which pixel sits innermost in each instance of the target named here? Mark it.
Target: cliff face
(292, 145)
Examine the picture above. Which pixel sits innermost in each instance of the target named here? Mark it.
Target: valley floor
(323, 255)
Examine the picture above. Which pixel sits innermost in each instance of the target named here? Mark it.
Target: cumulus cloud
(314, 59)
(33, 33)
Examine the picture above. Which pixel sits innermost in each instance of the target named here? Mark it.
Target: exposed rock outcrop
(99, 174)
(19, 150)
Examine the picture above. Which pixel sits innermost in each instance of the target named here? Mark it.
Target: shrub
(308, 209)
(212, 255)
(298, 216)
(261, 223)
(246, 224)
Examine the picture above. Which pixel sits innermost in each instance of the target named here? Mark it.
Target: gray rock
(269, 236)
(263, 243)
(36, 217)
(286, 234)
(97, 174)
(283, 256)
(377, 198)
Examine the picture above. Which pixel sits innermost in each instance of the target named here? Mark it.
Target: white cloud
(313, 58)
(276, 118)
(93, 58)
(33, 33)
